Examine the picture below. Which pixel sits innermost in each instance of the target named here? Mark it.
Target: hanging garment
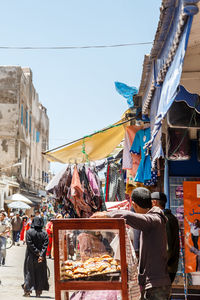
(89, 196)
(77, 195)
(144, 170)
(116, 189)
(64, 184)
(131, 161)
(127, 158)
(93, 183)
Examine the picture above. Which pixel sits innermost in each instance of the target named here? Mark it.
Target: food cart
(84, 259)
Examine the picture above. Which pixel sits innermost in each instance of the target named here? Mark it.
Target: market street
(11, 276)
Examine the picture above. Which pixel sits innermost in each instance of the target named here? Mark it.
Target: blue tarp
(127, 92)
(170, 88)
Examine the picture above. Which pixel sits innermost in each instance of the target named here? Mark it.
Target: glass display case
(90, 255)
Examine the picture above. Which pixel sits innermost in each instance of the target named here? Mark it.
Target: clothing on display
(131, 161)
(79, 192)
(144, 170)
(127, 158)
(115, 187)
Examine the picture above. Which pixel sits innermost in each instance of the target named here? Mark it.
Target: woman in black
(35, 265)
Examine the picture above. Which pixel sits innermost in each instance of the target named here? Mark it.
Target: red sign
(192, 225)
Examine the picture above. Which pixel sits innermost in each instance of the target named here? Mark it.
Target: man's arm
(141, 222)
(138, 221)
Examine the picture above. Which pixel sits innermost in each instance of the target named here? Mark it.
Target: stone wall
(24, 126)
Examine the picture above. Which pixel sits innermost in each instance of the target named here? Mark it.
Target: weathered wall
(17, 137)
(9, 113)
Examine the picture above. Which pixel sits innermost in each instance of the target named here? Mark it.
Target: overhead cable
(72, 47)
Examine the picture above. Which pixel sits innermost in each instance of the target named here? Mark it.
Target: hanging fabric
(144, 170)
(131, 161)
(77, 195)
(116, 186)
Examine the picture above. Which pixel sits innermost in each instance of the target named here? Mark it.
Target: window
(26, 119)
(22, 111)
(37, 136)
(30, 124)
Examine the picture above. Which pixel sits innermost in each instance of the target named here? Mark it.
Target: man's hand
(40, 259)
(100, 215)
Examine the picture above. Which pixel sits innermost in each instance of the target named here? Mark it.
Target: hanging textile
(144, 169)
(127, 158)
(77, 195)
(131, 130)
(116, 186)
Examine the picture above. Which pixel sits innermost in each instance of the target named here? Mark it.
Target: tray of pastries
(90, 269)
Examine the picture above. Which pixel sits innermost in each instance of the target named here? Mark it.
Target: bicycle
(9, 242)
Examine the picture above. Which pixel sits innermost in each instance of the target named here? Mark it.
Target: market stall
(93, 263)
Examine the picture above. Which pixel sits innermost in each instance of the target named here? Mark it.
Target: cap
(159, 196)
(142, 197)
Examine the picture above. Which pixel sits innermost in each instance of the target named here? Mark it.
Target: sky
(77, 86)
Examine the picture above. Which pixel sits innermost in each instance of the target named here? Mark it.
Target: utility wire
(72, 47)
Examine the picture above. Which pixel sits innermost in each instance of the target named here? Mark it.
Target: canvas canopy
(93, 147)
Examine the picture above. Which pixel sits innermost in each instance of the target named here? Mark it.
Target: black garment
(35, 274)
(172, 229)
(195, 241)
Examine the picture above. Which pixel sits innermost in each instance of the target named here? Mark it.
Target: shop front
(170, 95)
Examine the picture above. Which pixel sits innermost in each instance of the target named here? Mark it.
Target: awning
(93, 147)
(190, 99)
(169, 89)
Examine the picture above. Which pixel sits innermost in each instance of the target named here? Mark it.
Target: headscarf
(37, 223)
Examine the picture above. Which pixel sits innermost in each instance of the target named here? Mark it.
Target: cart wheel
(48, 272)
(9, 242)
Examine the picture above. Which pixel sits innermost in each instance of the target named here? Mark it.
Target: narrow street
(11, 276)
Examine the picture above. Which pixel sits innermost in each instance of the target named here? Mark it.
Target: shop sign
(192, 225)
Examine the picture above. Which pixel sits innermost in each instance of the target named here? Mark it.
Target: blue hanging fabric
(127, 92)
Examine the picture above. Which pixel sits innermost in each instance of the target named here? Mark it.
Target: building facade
(24, 129)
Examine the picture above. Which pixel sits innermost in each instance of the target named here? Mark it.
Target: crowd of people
(36, 232)
(159, 243)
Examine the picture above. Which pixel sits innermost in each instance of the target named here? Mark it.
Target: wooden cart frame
(90, 224)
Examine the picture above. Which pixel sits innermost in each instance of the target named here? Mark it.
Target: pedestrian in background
(35, 265)
(22, 233)
(49, 230)
(16, 223)
(4, 230)
(58, 216)
(29, 222)
(172, 229)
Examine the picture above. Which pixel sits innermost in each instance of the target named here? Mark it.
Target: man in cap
(172, 228)
(153, 276)
(16, 223)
